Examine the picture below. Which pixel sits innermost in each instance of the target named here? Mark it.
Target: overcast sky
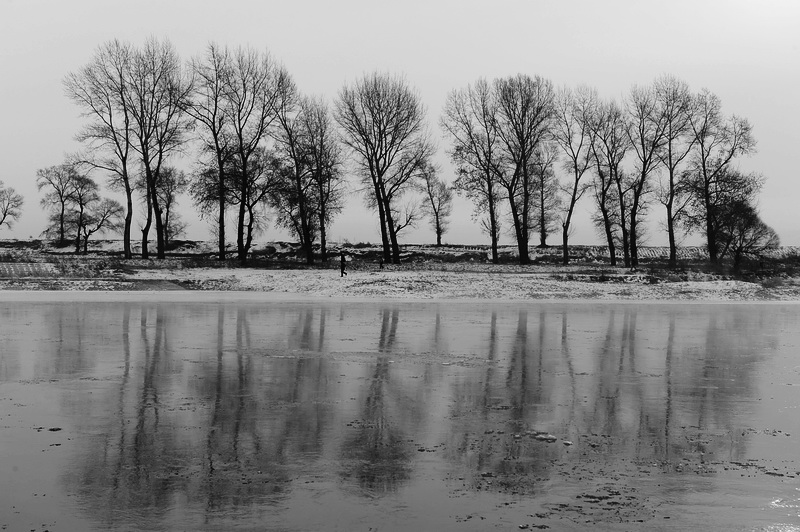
(747, 52)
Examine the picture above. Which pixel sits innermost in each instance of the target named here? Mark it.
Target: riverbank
(423, 284)
(427, 273)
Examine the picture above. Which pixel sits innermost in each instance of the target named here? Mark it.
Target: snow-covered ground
(456, 275)
(462, 285)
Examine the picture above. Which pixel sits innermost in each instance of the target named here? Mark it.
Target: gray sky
(746, 52)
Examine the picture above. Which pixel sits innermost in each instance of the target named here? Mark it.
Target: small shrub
(772, 282)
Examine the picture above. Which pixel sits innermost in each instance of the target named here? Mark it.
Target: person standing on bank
(343, 265)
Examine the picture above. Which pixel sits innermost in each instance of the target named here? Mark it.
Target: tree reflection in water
(375, 453)
(226, 409)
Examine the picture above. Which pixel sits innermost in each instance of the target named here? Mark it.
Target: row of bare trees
(525, 152)
(265, 144)
(261, 141)
(133, 100)
(662, 144)
(264, 147)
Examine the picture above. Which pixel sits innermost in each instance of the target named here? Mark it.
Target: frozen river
(238, 412)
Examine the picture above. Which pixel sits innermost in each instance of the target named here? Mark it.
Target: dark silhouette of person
(343, 265)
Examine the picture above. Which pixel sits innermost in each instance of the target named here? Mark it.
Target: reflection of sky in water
(212, 414)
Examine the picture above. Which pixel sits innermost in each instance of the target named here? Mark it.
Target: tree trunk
(78, 231)
(634, 223)
(626, 251)
(62, 232)
(673, 248)
(156, 208)
(711, 243)
(524, 229)
(126, 235)
(711, 237)
(146, 228)
(634, 249)
(221, 192)
(167, 231)
(395, 247)
(626, 254)
(632, 235)
(240, 227)
(308, 243)
(323, 251)
(542, 220)
(566, 225)
(493, 230)
(160, 241)
(305, 225)
(522, 243)
(382, 216)
(612, 252)
(248, 243)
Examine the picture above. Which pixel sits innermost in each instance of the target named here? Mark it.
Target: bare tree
(307, 193)
(59, 184)
(101, 90)
(85, 194)
(469, 119)
(207, 107)
(384, 125)
(609, 145)
(171, 184)
(102, 215)
(717, 142)
(284, 201)
(437, 202)
(572, 133)
(10, 206)
(157, 96)
(524, 111)
(262, 177)
(647, 126)
(675, 101)
(291, 138)
(251, 92)
(545, 197)
(324, 155)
